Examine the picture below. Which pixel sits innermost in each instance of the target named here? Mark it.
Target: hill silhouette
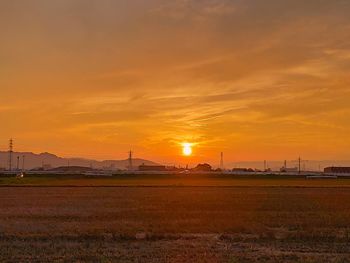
(33, 160)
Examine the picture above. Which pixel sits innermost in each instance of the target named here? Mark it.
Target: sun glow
(187, 149)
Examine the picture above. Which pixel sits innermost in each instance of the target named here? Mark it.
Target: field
(174, 219)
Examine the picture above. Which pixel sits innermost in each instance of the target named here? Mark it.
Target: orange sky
(254, 79)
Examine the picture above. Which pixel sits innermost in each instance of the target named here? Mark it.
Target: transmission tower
(10, 152)
(222, 161)
(300, 163)
(130, 161)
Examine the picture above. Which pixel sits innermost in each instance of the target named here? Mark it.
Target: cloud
(195, 10)
(229, 74)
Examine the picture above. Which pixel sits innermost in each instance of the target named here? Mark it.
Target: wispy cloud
(238, 75)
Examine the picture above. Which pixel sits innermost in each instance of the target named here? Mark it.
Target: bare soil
(175, 224)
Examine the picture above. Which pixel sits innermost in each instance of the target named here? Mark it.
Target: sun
(187, 149)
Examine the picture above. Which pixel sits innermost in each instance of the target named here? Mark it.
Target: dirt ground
(175, 224)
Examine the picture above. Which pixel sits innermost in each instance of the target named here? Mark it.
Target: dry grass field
(262, 220)
(174, 180)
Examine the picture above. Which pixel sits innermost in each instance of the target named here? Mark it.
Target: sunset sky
(256, 79)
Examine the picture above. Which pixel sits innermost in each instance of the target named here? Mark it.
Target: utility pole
(130, 168)
(17, 163)
(23, 157)
(10, 153)
(299, 162)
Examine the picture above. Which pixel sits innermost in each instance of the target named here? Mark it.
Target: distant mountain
(33, 160)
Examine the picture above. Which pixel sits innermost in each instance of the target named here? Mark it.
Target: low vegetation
(173, 180)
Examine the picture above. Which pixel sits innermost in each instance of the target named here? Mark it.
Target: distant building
(158, 168)
(285, 169)
(289, 169)
(337, 170)
(47, 167)
(73, 169)
(108, 168)
(243, 170)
